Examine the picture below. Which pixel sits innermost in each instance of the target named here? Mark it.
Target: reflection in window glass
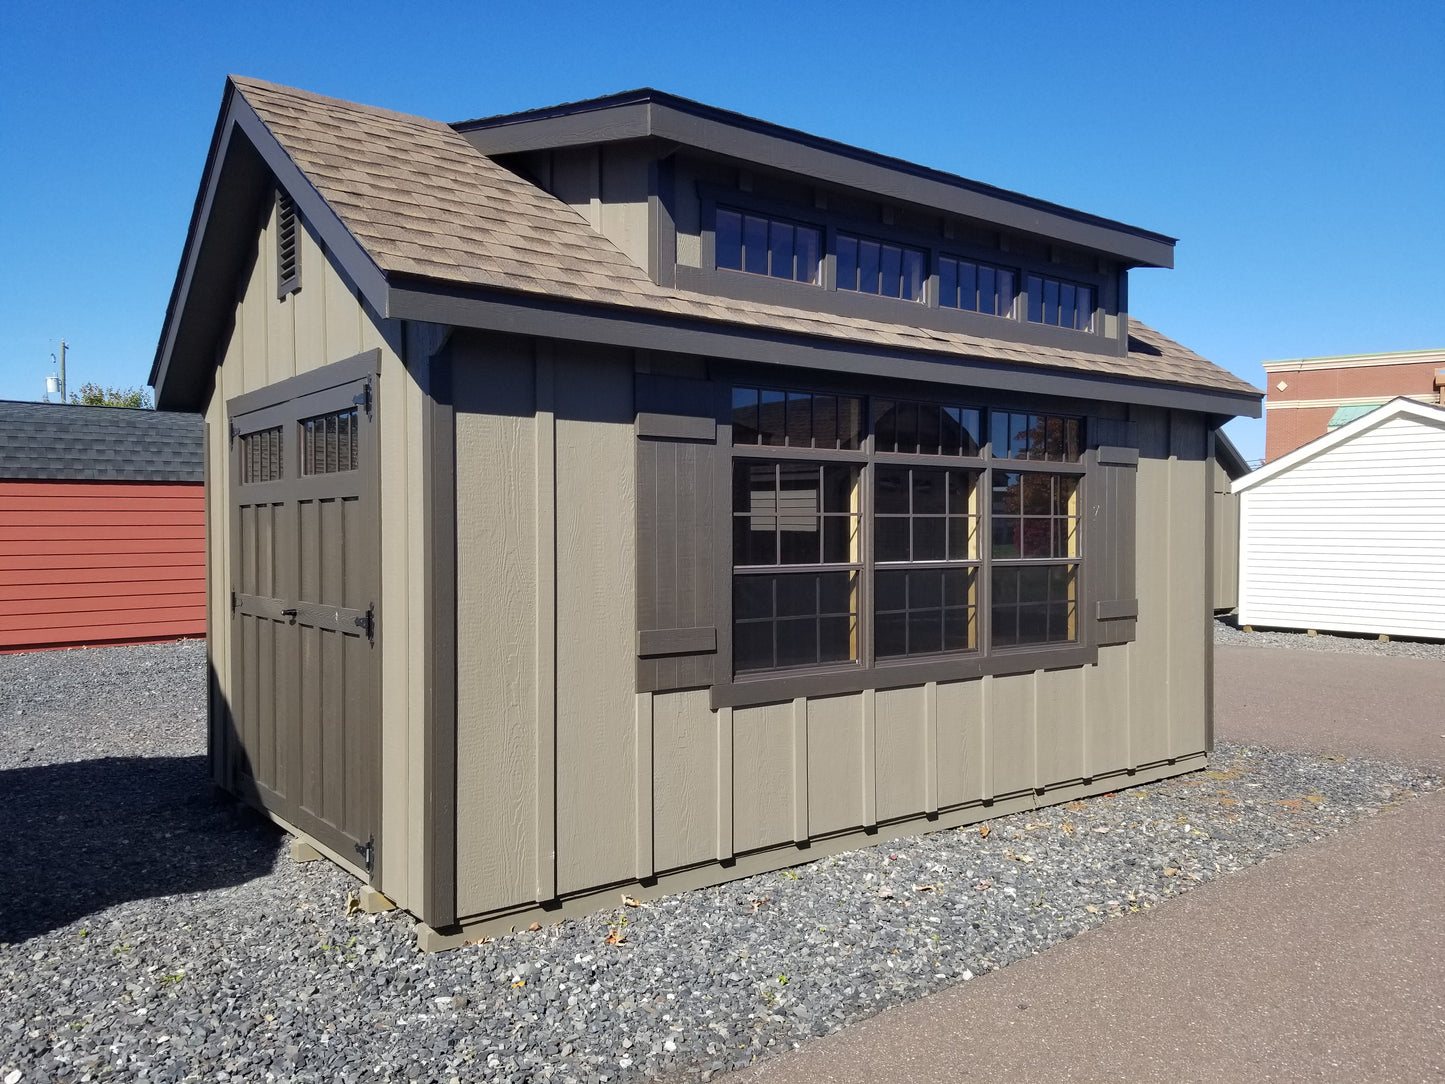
(1048, 437)
(1035, 515)
(791, 513)
(925, 514)
(1034, 604)
(904, 426)
(976, 287)
(871, 267)
(794, 619)
(764, 246)
(925, 611)
(1060, 303)
(796, 419)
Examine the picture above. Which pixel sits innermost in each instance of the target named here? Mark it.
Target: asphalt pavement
(1326, 963)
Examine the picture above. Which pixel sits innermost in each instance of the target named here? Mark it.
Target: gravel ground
(1227, 631)
(151, 931)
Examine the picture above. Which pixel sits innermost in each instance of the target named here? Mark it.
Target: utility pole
(50, 385)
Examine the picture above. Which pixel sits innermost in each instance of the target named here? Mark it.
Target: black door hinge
(367, 621)
(363, 399)
(233, 603)
(231, 432)
(367, 851)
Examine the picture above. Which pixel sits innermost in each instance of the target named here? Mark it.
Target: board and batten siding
(570, 783)
(86, 562)
(1351, 539)
(271, 340)
(1226, 540)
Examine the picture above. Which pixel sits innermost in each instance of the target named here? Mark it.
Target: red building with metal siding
(102, 526)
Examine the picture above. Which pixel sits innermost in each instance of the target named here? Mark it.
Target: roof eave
(646, 114)
(244, 156)
(524, 314)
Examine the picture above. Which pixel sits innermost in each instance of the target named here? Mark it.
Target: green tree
(92, 394)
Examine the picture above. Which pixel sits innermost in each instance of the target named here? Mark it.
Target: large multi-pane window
(768, 246)
(894, 530)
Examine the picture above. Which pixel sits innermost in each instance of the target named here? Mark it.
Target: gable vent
(288, 246)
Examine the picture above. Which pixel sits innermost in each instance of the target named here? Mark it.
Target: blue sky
(1295, 149)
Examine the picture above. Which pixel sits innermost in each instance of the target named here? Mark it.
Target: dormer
(712, 202)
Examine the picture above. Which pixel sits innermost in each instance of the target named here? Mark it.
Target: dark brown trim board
(647, 113)
(439, 828)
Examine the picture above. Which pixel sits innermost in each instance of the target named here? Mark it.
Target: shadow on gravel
(78, 837)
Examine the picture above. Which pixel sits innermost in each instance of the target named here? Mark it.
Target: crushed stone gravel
(1228, 631)
(151, 930)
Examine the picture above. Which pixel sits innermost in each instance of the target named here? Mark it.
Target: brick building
(1308, 397)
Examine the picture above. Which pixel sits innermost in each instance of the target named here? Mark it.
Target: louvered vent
(288, 246)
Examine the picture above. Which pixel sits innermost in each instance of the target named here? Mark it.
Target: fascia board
(237, 116)
(1393, 409)
(833, 167)
(770, 146)
(647, 331)
(190, 251)
(338, 241)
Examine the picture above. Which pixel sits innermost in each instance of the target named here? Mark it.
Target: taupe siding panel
(1106, 712)
(835, 764)
(1190, 634)
(685, 780)
(1011, 734)
(901, 732)
(1150, 662)
(1058, 728)
(493, 389)
(960, 742)
(762, 776)
(596, 598)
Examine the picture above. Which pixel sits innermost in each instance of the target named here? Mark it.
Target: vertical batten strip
(1211, 558)
(930, 748)
(546, 625)
(985, 724)
(642, 736)
(1038, 775)
(1086, 769)
(724, 784)
(869, 702)
(800, 769)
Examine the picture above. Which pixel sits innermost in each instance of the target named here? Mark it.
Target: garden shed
(1347, 533)
(632, 495)
(102, 525)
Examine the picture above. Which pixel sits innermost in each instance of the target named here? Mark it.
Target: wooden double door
(305, 717)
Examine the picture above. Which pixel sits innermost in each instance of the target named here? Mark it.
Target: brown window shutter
(1112, 479)
(681, 499)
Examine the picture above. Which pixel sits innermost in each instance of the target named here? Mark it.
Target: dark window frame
(866, 670)
(825, 296)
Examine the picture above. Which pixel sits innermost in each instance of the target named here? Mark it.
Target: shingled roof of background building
(423, 203)
(57, 442)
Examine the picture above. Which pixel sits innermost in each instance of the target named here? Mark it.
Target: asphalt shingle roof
(60, 442)
(423, 202)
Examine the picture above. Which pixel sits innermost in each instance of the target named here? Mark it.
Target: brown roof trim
(648, 113)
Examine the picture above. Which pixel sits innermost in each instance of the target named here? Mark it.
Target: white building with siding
(1347, 533)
